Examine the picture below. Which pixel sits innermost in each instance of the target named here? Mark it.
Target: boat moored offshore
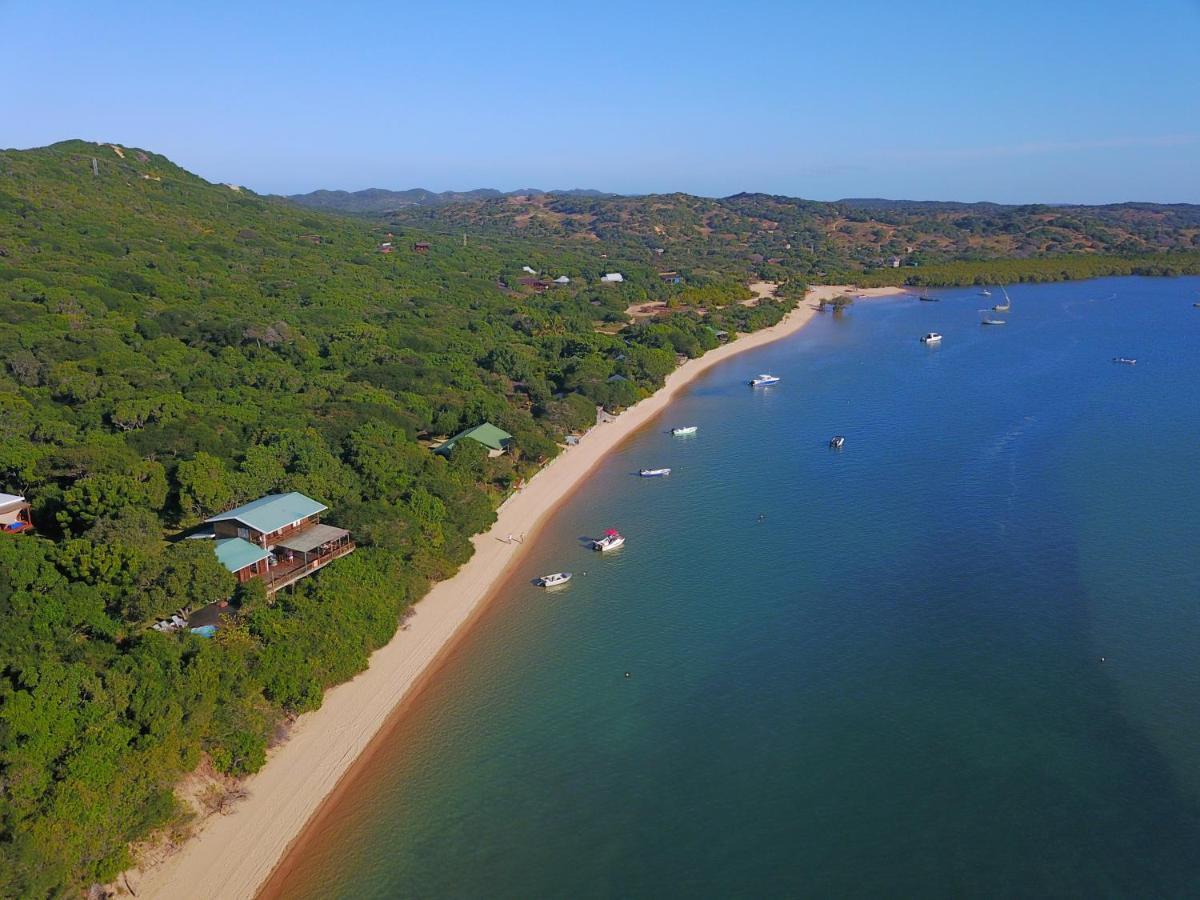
(1124, 360)
(683, 430)
(932, 338)
(837, 441)
(611, 541)
(653, 473)
(764, 380)
(993, 322)
(554, 580)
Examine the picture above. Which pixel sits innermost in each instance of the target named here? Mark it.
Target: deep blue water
(958, 657)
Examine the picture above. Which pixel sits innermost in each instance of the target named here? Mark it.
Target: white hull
(554, 580)
(609, 543)
(687, 429)
(764, 381)
(654, 473)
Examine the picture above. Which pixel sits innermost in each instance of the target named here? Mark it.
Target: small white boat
(684, 429)
(764, 381)
(611, 541)
(554, 580)
(932, 338)
(1124, 360)
(993, 322)
(1006, 305)
(837, 442)
(985, 293)
(653, 473)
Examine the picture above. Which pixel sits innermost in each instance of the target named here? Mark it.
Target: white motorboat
(1124, 360)
(653, 473)
(554, 580)
(684, 429)
(764, 380)
(932, 338)
(1006, 305)
(837, 442)
(985, 293)
(993, 322)
(611, 541)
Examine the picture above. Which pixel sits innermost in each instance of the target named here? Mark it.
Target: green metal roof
(487, 434)
(272, 512)
(235, 554)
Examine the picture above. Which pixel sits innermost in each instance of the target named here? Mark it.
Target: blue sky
(1014, 101)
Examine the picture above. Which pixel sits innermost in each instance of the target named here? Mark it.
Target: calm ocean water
(958, 657)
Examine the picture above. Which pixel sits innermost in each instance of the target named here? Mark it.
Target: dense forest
(786, 239)
(172, 348)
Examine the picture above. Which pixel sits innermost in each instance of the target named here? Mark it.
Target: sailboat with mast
(1006, 305)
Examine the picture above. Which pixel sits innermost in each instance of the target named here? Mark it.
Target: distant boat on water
(985, 293)
(611, 541)
(554, 580)
(837, 442)
(764, 381)
(653, 473)
(928, 298)
(684, 429)
(1006, 305)
(1124, 360)
(932, 338)
(993, 322)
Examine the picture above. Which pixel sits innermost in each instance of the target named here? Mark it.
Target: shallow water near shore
(957, 656)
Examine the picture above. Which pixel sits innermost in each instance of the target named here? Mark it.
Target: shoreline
(235, 855)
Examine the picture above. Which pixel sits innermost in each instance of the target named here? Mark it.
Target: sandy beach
(233, 855)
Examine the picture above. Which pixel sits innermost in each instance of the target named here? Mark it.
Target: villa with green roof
(278, 538)
(496, 440)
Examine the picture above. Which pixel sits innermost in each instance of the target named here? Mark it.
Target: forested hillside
(782, 238)
(378, 200)
(172, 348)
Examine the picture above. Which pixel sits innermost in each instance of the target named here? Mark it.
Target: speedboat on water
(683, 429)
(985, 293)
(764, 380)
(928, 298)
(932, 338)
(653, 473)
(554, 580)
(611, 541)
(993, 322)
(837, 442)
(1124, 360)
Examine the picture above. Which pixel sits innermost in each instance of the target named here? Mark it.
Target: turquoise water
(958, 657)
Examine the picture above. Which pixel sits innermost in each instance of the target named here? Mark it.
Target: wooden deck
(284, 574)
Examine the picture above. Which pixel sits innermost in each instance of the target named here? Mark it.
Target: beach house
(14, 514)
(496, 440)
(279, 538)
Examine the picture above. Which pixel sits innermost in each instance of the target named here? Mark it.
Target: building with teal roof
(496, 440)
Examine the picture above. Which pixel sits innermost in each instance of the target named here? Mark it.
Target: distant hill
(379, 200)
(776, 237)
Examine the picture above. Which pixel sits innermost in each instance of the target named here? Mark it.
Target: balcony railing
(284, 573)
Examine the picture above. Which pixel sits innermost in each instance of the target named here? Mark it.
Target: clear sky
(1011, 101)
